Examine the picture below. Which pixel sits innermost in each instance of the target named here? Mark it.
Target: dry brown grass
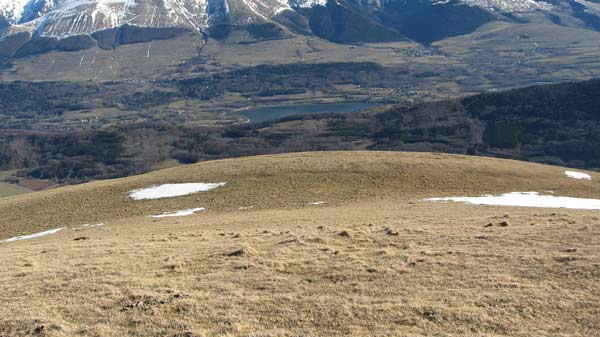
(374, 260)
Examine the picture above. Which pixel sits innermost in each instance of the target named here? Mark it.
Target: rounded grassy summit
(316, 244)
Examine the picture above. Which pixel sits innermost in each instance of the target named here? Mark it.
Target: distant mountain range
(30, 27)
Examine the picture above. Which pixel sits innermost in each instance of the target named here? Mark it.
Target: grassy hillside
(373, 259)
(286, 181)
(7, 190)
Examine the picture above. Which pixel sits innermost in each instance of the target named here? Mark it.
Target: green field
(7, 190)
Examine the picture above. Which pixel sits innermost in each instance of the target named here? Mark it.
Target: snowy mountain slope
(13, 10)
(21, 11)
(343, 21)
(307, 3)
(73, 17)
(510, 5)
(67, 17)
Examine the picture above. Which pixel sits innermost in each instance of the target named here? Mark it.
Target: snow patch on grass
(184, 212)
(92, 226)
(33, 236)
(172, 190)
(526, 199)
(578, 175)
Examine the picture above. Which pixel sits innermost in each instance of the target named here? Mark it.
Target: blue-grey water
(265, 113)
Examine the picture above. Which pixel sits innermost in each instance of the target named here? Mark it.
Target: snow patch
(92, 226)
(578, 175)
(526, 199)
(184, 212)
(308, 3)
(33, 236)
(172, 190)
(509, 5)
(13, 9)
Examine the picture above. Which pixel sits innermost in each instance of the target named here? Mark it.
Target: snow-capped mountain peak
(13, 10)
(102, 22)
(92, 14)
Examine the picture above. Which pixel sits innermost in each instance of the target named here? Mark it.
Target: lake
(265, 113)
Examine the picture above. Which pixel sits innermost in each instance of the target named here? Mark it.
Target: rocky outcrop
(37, 45)
(23, 45)
(127, 34)
(75, 43)
(11, 44)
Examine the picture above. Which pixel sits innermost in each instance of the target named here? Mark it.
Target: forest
(556, 124)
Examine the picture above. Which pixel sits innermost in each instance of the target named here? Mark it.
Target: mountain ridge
(44, 24)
